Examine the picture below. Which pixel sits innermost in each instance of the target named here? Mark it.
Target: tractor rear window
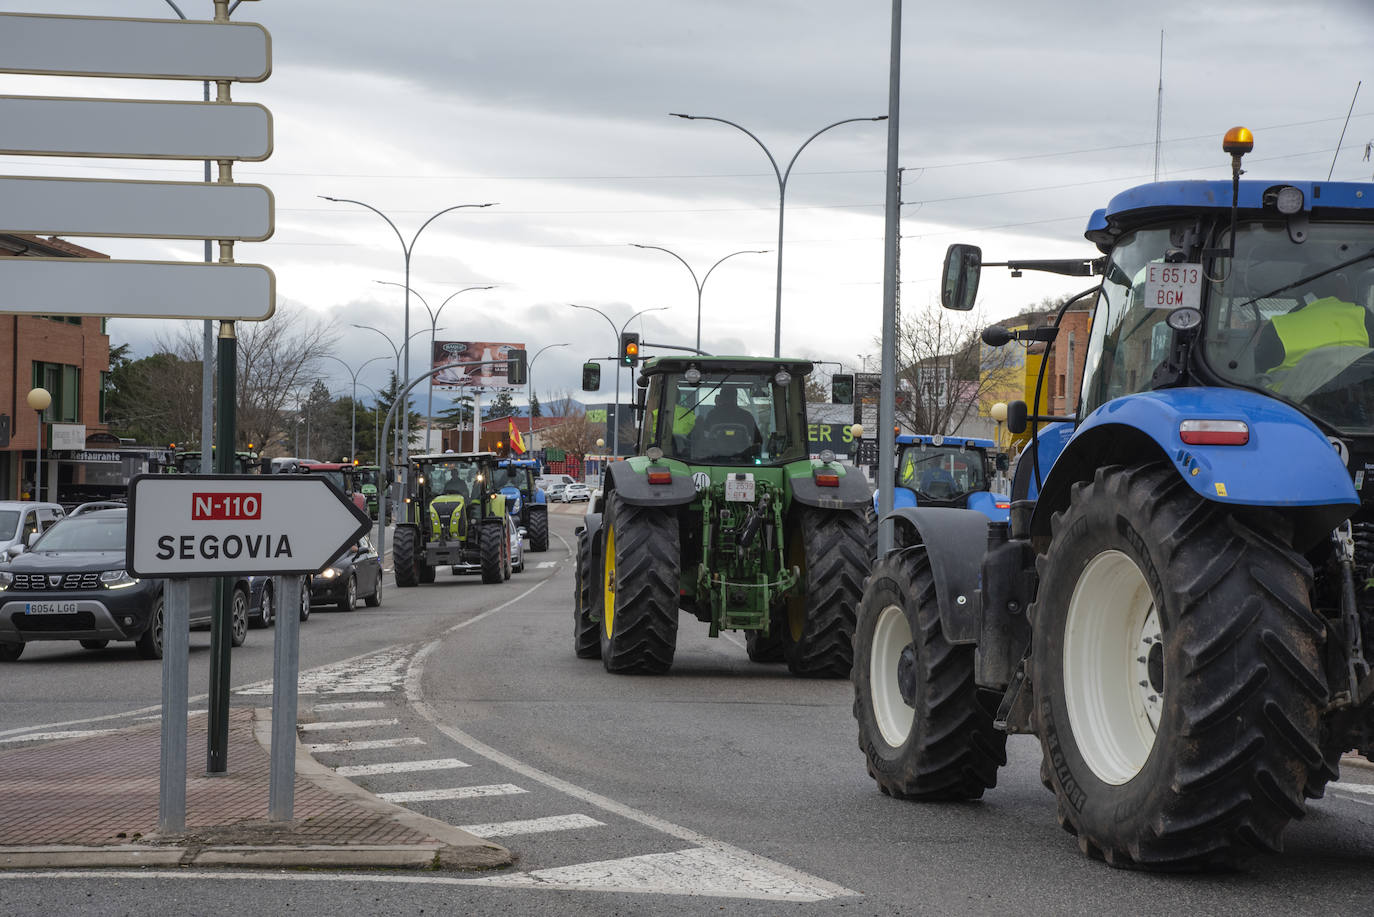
(935, 473)
(726, 418)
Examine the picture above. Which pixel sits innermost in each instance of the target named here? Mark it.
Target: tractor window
(1125, 346)
(934, 473)
(1296, 319)
(726, 418)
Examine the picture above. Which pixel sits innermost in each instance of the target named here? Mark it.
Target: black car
(72, 585)
(358, 571)
(262, 601)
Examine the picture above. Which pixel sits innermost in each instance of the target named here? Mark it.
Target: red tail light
(827, 480)
(1214, 432)
(660, 477)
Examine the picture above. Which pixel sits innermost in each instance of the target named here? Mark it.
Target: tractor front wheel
(831, 547)
(1177, 671)
(640, 577)
(924, 727)
(538, 528)
(586, 630)
(403, 549)
(493, 559)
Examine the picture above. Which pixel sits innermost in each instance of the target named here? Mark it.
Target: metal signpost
(183, 526)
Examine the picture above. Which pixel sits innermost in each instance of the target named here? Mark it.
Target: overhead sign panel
(450, 354)
(147, 48)
(136, 289)
(212, 525)
(158, 210)
(127, 128)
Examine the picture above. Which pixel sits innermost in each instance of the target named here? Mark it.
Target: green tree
(156, 399)
(502, 406)
(534, 406)
(387, 397)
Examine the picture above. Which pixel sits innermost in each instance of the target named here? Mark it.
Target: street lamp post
(433, 320)
(617, 332)
(782, 176)
(700, 284)
(406, 250)
(39, 399)
(353, 406)
(529, 389)
(400, 381)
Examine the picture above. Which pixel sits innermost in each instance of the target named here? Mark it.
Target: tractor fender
(852, 492)
(987, 503)
(901, 497)
(633, 486)
(955, 541)
(1287, 465)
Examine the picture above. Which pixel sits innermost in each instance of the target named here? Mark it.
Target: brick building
(70, 357)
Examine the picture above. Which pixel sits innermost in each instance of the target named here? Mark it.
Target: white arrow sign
(213, 525)
(145, 48)
(159, 210)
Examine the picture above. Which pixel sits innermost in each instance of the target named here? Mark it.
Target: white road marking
(158, 716)
(532, 826)
(1354, 788)
(53, 736)
(362, 746)
(546, 563)
(346, 724)
(351, 705)
(456, 792)
(398, 767)
(376, 673)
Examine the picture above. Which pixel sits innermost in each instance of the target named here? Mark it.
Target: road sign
(134, 129)
(136, 289)
(149, 209)
(146, 48)
(214, 525)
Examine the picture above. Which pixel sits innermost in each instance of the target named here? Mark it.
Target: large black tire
(1199, 755)
(767, 649)
(832, 549)
(238, 618)
(149, 642)
(493, 559)
(586, 629)
(404, 546)
(639, 582)
(924, 727)
(538, 528)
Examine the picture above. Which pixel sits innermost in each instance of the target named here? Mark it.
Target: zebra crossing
(563, 840)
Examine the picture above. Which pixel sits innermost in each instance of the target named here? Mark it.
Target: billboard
(452, 353)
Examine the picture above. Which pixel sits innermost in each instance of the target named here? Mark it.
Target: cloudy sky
(1017, 120)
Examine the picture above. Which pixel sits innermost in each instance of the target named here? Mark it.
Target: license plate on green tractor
(739, 488)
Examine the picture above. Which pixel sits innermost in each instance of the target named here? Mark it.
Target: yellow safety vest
(1324, 323)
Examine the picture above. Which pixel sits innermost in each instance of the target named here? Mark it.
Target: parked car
(20, 519)
(554, 493)
(97, 504)
(517, 546)
(574, 493)
(358, 571)
(72, 584)
(262, 600)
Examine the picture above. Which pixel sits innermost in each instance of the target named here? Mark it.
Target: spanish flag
(517, 445)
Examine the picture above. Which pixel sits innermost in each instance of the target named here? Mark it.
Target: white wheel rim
(891, 635)
(1113, 699)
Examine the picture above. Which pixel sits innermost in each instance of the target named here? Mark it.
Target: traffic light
(591, 377)
(629, 348)
(517, 370)
(842, 388)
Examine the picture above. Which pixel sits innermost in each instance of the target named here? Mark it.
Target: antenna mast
(1159, 104)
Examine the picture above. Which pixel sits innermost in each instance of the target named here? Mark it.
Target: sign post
(215, 525)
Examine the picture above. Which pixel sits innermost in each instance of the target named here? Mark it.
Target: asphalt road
(723, 787)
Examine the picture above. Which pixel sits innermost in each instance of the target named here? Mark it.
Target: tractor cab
(728, 411)
(948, 471)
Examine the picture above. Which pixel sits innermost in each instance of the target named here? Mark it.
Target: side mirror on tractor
(959, 281)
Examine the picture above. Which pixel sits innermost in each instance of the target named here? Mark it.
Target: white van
(546, 482)
(19, 519)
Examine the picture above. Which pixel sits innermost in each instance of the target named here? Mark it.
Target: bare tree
(574, 433)
(277, 363)
(945, 373)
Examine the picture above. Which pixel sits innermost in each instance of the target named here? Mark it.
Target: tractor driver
(1326, 324)
(729, 424)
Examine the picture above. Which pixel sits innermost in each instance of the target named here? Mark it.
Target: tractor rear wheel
(639, 588)
(538, 528)
(493, 559)
(831, 548)
(1178, 674)
(403, 548)
(586, 630)
(924, 727)
(767, 649)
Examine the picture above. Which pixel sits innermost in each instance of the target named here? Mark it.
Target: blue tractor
(948, 471)
(1180, 605)
(517, 479)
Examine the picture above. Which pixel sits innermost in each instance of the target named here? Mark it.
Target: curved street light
(406, 250)
(353, 406)
(529, 388)
(617, 332)
(782, 195)
(700, 284)
(433, 320)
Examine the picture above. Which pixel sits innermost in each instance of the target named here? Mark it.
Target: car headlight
(117, 579)
(330, 573)
(5, 580)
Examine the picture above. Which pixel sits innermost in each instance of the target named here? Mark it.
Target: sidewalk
(92, 801)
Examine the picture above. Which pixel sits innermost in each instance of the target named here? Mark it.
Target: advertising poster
(452, 354)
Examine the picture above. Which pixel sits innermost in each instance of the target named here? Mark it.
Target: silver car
(19, 520)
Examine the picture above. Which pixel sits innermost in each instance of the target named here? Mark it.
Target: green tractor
(723, 514)
(455, 514)
(367, 485)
